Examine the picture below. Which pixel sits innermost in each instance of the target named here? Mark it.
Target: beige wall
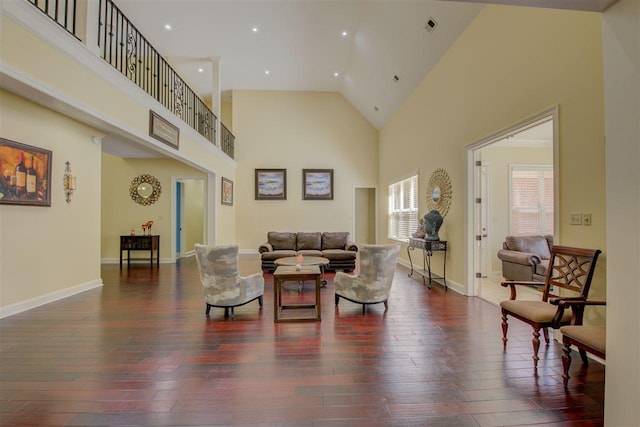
(120, 213)
(194, 208)
(46, 250)
(226, 114)
(498, 159)
(621, 37)
(295, 131)
(487, 82)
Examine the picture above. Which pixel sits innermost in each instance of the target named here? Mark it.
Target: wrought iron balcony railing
(61, 11)
(128, 51)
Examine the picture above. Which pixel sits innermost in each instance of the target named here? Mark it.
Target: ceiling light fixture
(266, 71)
(167, 27)
(336, 74)
(254, 29)
(200, 70)
(345, 34)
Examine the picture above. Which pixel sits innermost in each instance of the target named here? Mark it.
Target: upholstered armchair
(372, 284)
(569, 268)
(223, 286)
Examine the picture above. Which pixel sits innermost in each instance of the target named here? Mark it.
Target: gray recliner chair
(525, 258)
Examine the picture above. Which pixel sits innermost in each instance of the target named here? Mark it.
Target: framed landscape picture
(227, 191)
(271, 184)
(25, 174)
(317, 184)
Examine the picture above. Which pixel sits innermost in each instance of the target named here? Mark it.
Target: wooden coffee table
(286, 273)
(308, 260)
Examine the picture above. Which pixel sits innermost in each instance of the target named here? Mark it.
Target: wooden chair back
(571, 269)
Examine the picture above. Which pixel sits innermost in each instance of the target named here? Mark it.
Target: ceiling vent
(430, 25)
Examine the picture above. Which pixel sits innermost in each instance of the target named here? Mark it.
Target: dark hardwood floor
(141, 352)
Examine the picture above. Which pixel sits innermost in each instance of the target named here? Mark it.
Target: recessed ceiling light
(167, 27)
(200, 70)
(336, 74)
(344, 34)
(254, 29)
(266, 71)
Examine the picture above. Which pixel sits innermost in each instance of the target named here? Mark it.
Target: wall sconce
(68, 182)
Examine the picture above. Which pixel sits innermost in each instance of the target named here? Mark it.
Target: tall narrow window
(531, 199)
(403, 208)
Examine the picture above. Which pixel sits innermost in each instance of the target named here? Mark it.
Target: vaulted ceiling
(373, 52)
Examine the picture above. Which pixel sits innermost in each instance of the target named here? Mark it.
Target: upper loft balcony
(121, 45)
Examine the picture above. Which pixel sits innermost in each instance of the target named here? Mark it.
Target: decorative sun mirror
(145, 189)
(439, 192)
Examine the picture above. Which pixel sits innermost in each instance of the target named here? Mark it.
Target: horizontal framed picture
(227, 191)
(163, 131)
(271, 184)
(317, 184)
(25, 174)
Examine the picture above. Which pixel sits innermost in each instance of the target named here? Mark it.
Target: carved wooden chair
(223, 286)
(372, 284)
(569, 268)
(587, 339)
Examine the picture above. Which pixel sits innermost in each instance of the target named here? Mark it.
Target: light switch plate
(575, 218)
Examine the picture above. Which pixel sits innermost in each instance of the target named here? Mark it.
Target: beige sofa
(525, 258)
(335, 246)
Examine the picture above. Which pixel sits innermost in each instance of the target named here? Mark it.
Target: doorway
(189, 214)
(490, 201)
(364, 215)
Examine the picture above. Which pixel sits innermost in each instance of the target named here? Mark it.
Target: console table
(140, 243)
(428, 247)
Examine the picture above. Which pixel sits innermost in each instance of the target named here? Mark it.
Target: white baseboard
(19, 307)
(134, 261)
(249, 252)
(454, 286)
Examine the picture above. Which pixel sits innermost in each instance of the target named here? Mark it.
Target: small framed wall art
(227, 191)
(317, 184)
(25, 174)
(271, 184)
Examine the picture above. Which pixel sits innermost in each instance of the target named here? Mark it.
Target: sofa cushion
(310, 252)
(334, 240)
(531, 244)
(338, 254)
(309, 241)
(282, 240)
(272, 256)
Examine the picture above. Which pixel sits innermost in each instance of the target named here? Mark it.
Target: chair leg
(505, 327)
(386, 306)
(337, 299)
(566, 363)
(260, 300)
(232, 312)
(364, 306)
(226, 312)
(583, 356)
(207, 310)
(536, 346)
(545, 332)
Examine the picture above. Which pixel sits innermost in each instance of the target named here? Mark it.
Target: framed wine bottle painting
(25, 174)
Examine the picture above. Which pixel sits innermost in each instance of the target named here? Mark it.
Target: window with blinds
(403, 208)
(531, 200)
